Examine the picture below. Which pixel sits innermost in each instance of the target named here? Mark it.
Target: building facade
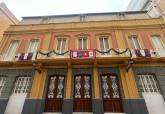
(112, 63)
(155, 8)
(6, 18)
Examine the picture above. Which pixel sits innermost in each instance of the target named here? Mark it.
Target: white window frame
(132, 38)
(12, 49)
(103, 38)
(161, 51)
(2, 83)
(35, 47)
(148, 83)
(22, 84)
(82, 42)
(61, 45)
(158, 37)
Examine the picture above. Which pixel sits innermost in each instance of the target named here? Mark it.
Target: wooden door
(111, 94)
(55, 94)
(82, 93)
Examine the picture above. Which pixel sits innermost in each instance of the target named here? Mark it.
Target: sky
(22, 8)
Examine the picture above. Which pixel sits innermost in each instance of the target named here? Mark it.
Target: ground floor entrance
(83, 92)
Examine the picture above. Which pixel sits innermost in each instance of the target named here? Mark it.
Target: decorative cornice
(87, 26)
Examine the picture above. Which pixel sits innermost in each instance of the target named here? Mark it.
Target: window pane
(106, 43)
(22, 85)
(101, 44)
(84, 43)
(80, 40)
(12, 48)
(63, 45)
(134, 42)
(147, 83)
(58, 44)
(33, 46)
(157, 42)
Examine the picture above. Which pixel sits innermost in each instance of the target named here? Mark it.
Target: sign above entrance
(82, 54)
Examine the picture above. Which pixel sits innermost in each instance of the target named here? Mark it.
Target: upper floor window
(147, 83)
(158, 43)
(104, 43)
(61, 45)
(82, 43)
(33, 46)
(2, 83)
(12, 48)
(82, 18)
(22, 84)
(134, 42)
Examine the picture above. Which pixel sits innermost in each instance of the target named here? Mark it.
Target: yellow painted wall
(129, 83)
(38, 84)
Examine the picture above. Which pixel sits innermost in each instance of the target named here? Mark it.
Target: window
(33, 46)
(55, 93)
(134, 42)
(111, 93)
(12, 49)
(61, 44)
(104, 44)
(22, 85)
(159, 45)
(2, 83)
(82, 18)
(147, 83)
(82, 43)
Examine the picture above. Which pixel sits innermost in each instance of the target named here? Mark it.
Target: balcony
(85, 56)
(5, 58)
(17, 59)
(42, 55)
(144, 53)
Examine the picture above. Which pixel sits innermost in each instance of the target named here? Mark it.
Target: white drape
(15, 104)
(155, 103)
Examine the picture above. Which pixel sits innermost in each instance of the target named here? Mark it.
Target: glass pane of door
(82, 93)
(55, 94)
(111, 94)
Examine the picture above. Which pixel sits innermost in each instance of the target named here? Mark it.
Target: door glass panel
(55, 94)
(82, 93)
(110, 92)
